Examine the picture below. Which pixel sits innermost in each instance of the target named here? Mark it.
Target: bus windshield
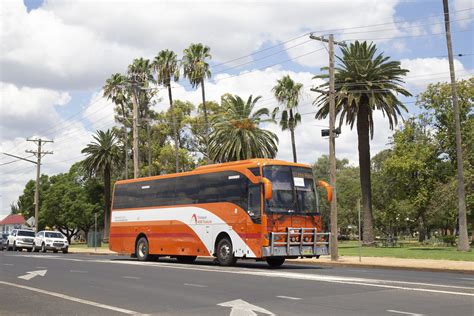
(293, 190)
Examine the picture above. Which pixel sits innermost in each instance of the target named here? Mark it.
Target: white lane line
(289, 297)
(131, 277)
(295, 276)
(468, 279)
(40, 267)
(404, 313)
(73, 299)
(8, 264)
(195, 285)
(77, 271)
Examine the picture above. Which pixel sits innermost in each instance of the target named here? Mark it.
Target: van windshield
(293, 190)
(53, 235)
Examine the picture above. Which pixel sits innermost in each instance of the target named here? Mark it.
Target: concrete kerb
(392, 263)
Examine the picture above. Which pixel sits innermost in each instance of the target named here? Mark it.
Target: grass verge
(351, 248)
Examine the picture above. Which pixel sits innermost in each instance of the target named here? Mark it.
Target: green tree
(69, 204)
(411, 172)
(26, 201)
(365, 82)
(288, 94)
(436, 101)
(196, 69)
(103, 154)
(236, 133)
(166, 67)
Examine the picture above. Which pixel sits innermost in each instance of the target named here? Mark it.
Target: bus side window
(253, 208)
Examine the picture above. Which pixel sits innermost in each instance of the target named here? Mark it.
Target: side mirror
(268, 188)
(328, 188)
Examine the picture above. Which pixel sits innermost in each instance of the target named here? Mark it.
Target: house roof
(13, 219)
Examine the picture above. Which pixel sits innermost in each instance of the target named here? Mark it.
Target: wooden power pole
(39, 154)
(463, 236)
(135, 129)
(332, 142)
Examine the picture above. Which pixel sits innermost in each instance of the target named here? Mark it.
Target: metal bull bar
(292, 243)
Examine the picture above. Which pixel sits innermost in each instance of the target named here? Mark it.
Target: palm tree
(166, 67)
(114, 89)
(365, 81)
(103, 154)
(288, 94)
(196, 69)
(236, 134)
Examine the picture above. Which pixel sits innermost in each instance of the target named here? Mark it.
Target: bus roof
(250, 163)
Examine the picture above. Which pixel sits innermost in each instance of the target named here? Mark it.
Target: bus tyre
(275, 262)
(142, 249)
(186, 259)
(225, 253)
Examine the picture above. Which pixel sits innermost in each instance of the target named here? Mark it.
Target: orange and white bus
(262, 209)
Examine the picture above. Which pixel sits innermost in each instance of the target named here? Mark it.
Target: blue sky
(57, 54)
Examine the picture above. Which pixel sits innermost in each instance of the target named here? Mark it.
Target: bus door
(253, 227)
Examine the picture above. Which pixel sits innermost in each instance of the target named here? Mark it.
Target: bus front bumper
(295, 251)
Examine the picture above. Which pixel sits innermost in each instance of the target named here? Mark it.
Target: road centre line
(78, 271)
(404, 313)
(8, 264)
(195, 285)
(73, 299)
(131, 277)
(289, 297)
(38, 267)
(296, 276)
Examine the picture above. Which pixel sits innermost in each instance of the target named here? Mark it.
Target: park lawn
(420, 252)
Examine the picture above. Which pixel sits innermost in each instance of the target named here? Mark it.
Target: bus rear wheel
(186, 259)
(275, 262)
(225, 253)
(142, 249)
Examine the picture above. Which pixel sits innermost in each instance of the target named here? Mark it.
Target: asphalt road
(112, 285)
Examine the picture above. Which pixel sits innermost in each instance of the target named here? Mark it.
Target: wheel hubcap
(141, 249)
(225, 251)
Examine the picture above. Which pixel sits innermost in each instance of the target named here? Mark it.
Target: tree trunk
(292, 132)
(107, 203)
(175, 128)
(206, 121)
(364, 169)
(421, 230)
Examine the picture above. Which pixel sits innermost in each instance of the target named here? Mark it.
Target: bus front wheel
(225, 253)
(275, 262)
(142, 250)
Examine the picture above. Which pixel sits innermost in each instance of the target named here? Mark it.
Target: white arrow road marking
(31, 274)
(73, 299)
(243, 308)
(404, 313)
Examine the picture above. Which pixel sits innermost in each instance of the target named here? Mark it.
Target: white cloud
(464, 13)
(424, 71)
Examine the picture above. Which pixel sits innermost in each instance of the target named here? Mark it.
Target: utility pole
(126, 150)
(135, 129)
(39, 154)
(332, 142)
(463, 236)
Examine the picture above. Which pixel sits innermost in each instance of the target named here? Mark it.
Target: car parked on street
(3, 241)
(20, 239)
(50, 240)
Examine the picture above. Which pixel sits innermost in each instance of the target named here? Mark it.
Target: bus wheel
(275, 262)
(186, 259)
(225, 254)
(142, 249)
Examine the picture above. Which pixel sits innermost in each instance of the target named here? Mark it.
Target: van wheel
(65, 250)
(142, 250)
(43, 247)
(275, 262)
(14, 247)
(8, 246)
(29, 249)
(186, 259)
(225, 253)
